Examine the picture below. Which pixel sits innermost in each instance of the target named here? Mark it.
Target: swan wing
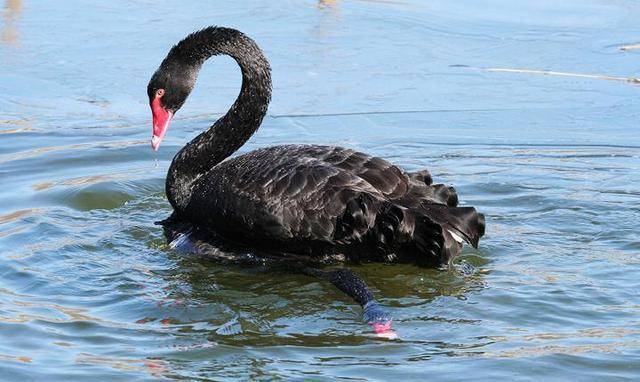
(282, 193)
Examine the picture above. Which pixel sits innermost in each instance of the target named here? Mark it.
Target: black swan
(305, 205)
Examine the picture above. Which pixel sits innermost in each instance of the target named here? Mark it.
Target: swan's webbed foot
(376, 316)
(351, 284)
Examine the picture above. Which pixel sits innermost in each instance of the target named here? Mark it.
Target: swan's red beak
(161, 119)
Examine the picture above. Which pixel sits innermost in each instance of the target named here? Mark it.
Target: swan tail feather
(445, 195)
(461, 222)
(440, 193)
(429, 235)
(422, 176)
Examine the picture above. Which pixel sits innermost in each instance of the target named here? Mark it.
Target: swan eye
(159, 92)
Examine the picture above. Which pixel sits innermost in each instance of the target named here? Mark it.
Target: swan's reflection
(267, 304)
(9, 33)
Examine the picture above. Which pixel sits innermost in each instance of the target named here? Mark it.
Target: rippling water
(90, 291)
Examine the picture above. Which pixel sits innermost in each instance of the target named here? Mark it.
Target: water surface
(90, 291)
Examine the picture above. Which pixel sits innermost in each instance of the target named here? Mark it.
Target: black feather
(304, 200)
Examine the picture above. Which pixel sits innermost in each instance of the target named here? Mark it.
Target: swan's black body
(315, 203)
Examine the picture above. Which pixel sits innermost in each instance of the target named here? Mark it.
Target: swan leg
(351, 284)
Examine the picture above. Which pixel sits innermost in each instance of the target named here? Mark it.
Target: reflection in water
(330, 21)
(9, 33)
(152, 366)
(240, 301)
(327, 3)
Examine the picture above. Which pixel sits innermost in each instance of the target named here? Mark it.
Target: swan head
(168, 89)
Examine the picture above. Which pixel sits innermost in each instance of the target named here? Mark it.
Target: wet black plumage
(314, 202)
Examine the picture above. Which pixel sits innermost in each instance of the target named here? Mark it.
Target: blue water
(89, 290)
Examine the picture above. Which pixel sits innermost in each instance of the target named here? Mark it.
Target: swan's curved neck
(231, 131)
